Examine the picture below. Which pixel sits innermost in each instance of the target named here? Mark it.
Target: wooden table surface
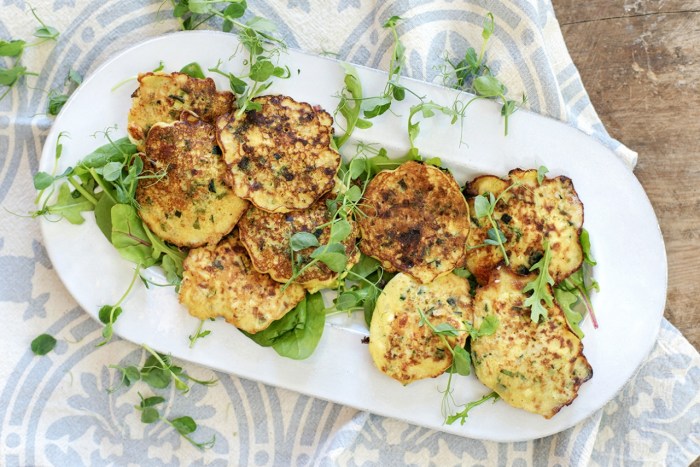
(640, 62)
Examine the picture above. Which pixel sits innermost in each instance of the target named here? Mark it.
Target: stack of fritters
(203, 163)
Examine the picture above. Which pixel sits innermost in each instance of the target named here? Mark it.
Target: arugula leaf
(541, 286)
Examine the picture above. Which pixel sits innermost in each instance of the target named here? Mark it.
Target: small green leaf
(354, 194)
(184, 425)
(586, 247)
(42, 180)
(46, 32)
(149, 415)
(151, 401)
(336, 262)
(43, 344)
(235, 10)
(157, 378)
(261, 70)
(108, 314)
(12, 48)
(482, 207)
(302, 240)
(461, 361)
(541, 172)
(112, 170)
(391, 22)
(340, 230)
(489, 26)
(366, 266)
(9, 76)
(488, 86)
(56, 103)
(488, 326)
(346, 301)
(193, 69)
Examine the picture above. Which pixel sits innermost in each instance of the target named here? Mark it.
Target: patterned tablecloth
(55, 410)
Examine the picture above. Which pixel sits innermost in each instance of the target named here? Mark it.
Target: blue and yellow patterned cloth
(56, 410)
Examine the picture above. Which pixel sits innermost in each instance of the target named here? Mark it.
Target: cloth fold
(57, 410)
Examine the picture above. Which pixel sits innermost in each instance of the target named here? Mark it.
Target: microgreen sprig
(473, 75)
(183, 425)
(14, 48)
(484, 206)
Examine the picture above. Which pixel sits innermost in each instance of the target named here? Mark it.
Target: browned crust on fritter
(416, 221)
(266, 237)
(161, 97)
(279, 157)
(533, 212)
(188, 203)
(538, 367)
(220, 281)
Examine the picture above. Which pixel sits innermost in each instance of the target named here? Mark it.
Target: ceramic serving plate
(626, 241)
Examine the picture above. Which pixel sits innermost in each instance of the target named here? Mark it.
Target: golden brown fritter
(221, 281)
(527, 213)
(161, 97)
(187, 203)
(536, 367)
(266, 237)
(403, 347)
(416, 221)
(279, 157)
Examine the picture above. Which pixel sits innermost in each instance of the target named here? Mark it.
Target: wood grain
(640, 62)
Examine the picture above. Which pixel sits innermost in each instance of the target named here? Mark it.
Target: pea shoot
(14, 48)
(157, 372)
(473, 75)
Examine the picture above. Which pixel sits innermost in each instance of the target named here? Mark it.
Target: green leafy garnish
(183, 425)
(540, 286)
(350, 105)
(573, 294)
(14, 48)
(198, 334)
(43, 344)
(464, 414)
(484, 206)
(297, 333)
(541, 172)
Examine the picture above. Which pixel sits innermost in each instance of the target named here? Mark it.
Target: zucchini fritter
(221, 281)
(416, 221)
(400, 344)
(187, 203)
(527, 212)
(536, 367)
(279, 157)
(161, 97)
(266, 237)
